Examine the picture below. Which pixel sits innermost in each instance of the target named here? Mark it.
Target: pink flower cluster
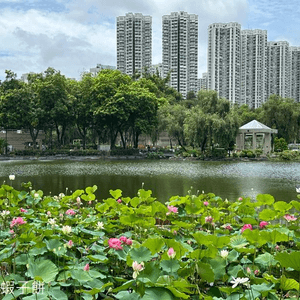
(209, 219)
(117, 244)
(290, 218)
(23, 210)
(172, 209)
(246, 226)
(263, 224)
(17, 221)
(70, 212)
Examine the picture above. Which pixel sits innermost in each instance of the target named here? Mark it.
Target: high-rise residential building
(253, 82)
(224, 60)
(202, 82)
(295, 73)
(279, 69)
(180, 50)
(134, 43)
(101, 67)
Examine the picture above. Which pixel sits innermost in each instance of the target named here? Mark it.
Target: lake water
(165, 178)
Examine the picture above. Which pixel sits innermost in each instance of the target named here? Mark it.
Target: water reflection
(165, 178)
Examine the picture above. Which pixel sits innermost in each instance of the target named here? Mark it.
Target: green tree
(51, 89)
(81, 94)
(210, 122)
(280, 144)
(282, 114)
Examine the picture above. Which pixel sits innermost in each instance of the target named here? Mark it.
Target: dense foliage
(72, 246)
(99, 108)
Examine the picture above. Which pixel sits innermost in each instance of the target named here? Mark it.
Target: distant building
(255, 135)
(202, 82)
(24, 77)
(279, 69)
(21, 139)
(295, 73)
(156, 68)
(224, 60)
(180, 50)
(134, 43)
(253, 67)
(101, 67)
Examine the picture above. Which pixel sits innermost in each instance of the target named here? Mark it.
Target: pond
(165, 178)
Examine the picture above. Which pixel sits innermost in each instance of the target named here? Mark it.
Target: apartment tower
(253, 67)
(295, 73)
(180, 50)
(134, 43)
(224, 60)
(279, 69)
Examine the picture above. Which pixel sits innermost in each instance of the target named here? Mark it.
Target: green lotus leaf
(57, 294)
(289, 260)
(158, 294)
(288, 284)
(267, 214)
(177, 293)
(154, 244)
(116, 193)
(265, 199)
(80, 275)
(170, 266)
(140, 254)
(265, 260)
(43, 268)
(205, 271)
(218, 265)
(282, 206)
(238, 242)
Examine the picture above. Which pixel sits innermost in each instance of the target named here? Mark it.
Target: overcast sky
(72, 36)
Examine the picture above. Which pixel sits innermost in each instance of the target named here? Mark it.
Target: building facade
(134, 43)
(224, 60)
(180, 50)
(101, 67)
(253, 67)
(295, 73)
(279, 69)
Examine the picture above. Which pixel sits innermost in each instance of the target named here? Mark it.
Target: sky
(73, 36)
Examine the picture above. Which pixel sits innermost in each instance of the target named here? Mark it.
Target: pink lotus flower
(70, 212)
(209, 219)
(246, 226)
(17, 221)
(240, 199)
(125, 240)
(119, 200)
(70, 244)
(263, 224)
(23, 210)
(48, 213)
(171, 253)
(205, 203)
(78, 200)
(256, 272)
(290, 218)
(227, 226)
(172, 209)
(137, 267)
(115, 244)
(86, 267)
